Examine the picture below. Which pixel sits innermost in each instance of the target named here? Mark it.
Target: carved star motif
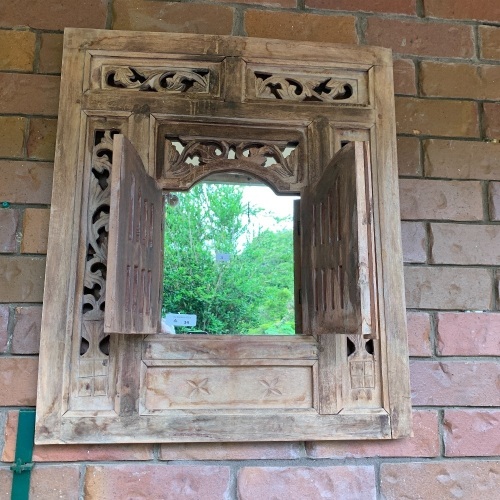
(198, 387)
(271, 387)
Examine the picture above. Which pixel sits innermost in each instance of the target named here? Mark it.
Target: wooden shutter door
(134, 272)
(338, 266)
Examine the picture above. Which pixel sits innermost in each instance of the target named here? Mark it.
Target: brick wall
(447, 70)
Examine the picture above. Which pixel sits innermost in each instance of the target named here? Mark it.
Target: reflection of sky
(272, 207)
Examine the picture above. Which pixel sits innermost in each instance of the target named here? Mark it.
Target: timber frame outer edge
(56, 421)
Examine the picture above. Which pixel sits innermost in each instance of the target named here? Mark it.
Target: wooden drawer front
(226, 387)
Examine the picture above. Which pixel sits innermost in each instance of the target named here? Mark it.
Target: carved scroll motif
(97, 229)
(186, 154)
(156, 80)
(301, 88)
(94, 344)
(361, 363)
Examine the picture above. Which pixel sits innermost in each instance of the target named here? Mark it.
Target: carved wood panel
(219, 387)
(93, 351)
(311, 85)
(186, 78)
(192, 151)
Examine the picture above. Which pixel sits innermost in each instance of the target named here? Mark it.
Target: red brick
(404, 77)
(460, 80)
(230, 451)
(25, 181)
(17, 50)
(29, 94)
(424, 443)
(150, 15)
(12, 137)
(441, 480)
(465, 244)
(156, 481)
(409, 156)
(494, 200)
(4, 323)
(419, 333)
(414, 241)
(302, 27)
(455, 383)
(50, 57)
(42, 138)
(26, 335)
(492, 120)
(462, 288)
(468, 334)
(461, 159)
(35, 230)
(72, 453)
(436, 117)
(21, 279)
(489, 37)
(52, 482)
(271, 3)
(390, 6)
(440, 200)
(471, 433)
(8, 229)
(421, 38)
(298, 483)
(481, 10)
(18, 377)
(54, 14)
(5, 484)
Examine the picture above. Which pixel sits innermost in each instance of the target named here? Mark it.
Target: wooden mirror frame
(97, 385)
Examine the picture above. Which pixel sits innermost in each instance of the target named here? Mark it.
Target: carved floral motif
(198, 387)
(200, 153)
(157, 80)
(271, 387)
(301, 88)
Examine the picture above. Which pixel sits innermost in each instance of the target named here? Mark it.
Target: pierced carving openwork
(183, 154)
(361, 362)
(156, 80)
(190, 150)
(97, 227)
(93, 363)
(301, 88)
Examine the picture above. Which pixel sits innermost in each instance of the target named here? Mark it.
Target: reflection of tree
(253, 292)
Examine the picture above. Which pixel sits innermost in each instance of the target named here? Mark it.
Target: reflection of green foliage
(253, 292)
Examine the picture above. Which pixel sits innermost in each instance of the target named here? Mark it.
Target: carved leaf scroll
(97, 228)
(157, 80)
(301, 88)
(183, 154)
